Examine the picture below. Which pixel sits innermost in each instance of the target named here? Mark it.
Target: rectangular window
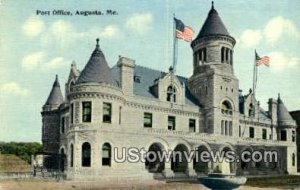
(171, 123)
(192, 125)
(106, 112)
(264, 133)
(148, 120)
(240, 131)
(230, 128)
(251, 132)
(72, 113)
(63, 125)
(293, 136)
(86, 111)
(283, 135)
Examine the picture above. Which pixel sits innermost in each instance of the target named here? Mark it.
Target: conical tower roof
(55, 97)
(96, 70)
(213, 25)
(283, 115)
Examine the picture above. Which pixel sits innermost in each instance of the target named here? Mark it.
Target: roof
(55, 97)
(147, 78)
(283, 115)
(96, 70)
(213, 25)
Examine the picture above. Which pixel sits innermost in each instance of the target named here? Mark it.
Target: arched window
(204, 53)
(106, 154)
(222, 54)
(71, 155)
(86, 155)
(293, 159)
(62, 159)
(226, 128)
(226, 108)
(171, 94)
(251, 110)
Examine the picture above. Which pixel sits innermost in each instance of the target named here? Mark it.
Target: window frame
(171, 119)
(251, 132)
(104, 118)
(86, 117)
(150, 117)
(194, 125)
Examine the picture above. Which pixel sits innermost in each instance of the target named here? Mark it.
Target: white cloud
(13, 88)
(280, 61)
(33, 60)
(110, 31)
(250, 38)
(279, 26)
(33, 26)
(141, 23)
(56, 63)
(38, 60)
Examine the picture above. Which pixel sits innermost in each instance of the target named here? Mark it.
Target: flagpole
(174, 44)
(254, 76)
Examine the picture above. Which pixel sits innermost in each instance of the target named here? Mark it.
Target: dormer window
(251, 110)
(171, 94)
(226, 108)
(137, 79)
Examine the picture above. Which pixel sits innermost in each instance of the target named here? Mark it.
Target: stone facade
(132, 106)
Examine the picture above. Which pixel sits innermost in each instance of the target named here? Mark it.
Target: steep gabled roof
(55, 97)
(213, 25)
(147, 78)
(96, 70)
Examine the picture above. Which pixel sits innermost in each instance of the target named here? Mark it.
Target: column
(168, 172)
(190, 170)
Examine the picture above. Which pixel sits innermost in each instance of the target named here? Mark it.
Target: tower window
(71, 155)
(87, 111)
(171, 94)
(192, 125)
(106, 112)
(293, 159)
(293, 136)
(72, 113)
(283, 135)
(251, 132)
(148, 120)
(86, 155)
(264, 133)
(106, 154)
(226, 108)
(171, 123)
(222, 54)
(251, 110)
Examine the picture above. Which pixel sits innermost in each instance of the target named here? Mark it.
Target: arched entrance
(226, 162)
(246, 161)
(200, 164)
(179, 161)
(153, 163)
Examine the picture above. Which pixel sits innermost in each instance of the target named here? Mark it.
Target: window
(251, 110)
(293, 159)
(171, 94)
(283, 135)
(251, 132)
(120, 114)
(192, 125)
(226, 128)
(222, 54)
(72, 113)
(71, 155)
(148, 120)
(171, 123)
(86, 155)
(264, 133)
(86, 111)
(63, 125)
(240, 131)
(293, 136)
(226, 108)
(106, 154)
(137, 79)
(107, 112)
(222, 127)
(230, 128)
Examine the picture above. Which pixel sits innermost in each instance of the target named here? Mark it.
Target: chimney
(273, 110)
(126, 74)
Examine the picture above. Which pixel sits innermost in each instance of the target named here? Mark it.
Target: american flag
(182, 31)
(262, 60)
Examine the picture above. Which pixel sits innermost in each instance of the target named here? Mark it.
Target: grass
(12, 163)
(277, 181)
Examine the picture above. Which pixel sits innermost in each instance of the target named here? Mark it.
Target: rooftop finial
(97, 40)
(278, 95)
(212, 5)
(56, 77)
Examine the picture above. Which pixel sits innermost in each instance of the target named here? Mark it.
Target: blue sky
(34, 48)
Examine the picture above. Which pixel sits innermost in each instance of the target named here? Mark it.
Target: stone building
(296, 116)
(133, 106)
